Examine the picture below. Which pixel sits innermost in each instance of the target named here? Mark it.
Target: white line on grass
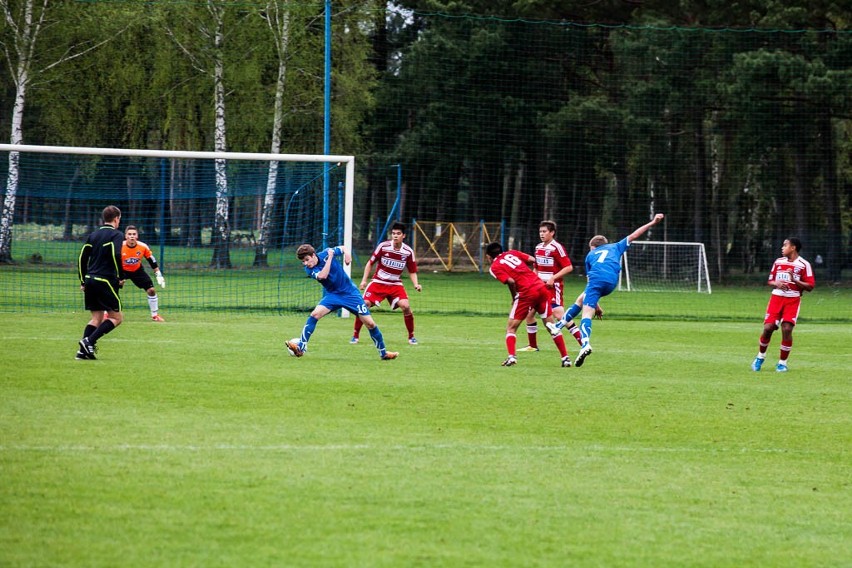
(188, 448)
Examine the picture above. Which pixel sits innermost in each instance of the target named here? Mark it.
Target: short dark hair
(110, 213)
(397, 226)
(305, 250)
(494, 249)
(550, 225)
(131, 228)
(797, 243)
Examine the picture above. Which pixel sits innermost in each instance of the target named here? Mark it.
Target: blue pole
(340, 207)
(326, 144)
(162, 209)
(395, 203)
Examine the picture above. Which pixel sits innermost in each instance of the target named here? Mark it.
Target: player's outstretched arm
(323, 273)
(644, 228)
(368, 268)
(347, 258)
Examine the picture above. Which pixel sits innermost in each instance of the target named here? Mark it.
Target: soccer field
(199, 442)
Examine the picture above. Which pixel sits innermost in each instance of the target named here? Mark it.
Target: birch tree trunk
(221, 229)
(200, 35)
(24, 35)
(278, 19)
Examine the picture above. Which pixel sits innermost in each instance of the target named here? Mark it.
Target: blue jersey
(337, 282)
(604, 263)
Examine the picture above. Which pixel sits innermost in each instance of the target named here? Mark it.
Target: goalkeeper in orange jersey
(132, 253)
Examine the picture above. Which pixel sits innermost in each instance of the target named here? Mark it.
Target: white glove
(160, 280)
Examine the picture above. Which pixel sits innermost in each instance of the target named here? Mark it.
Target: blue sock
(585, 330)
(378, 340)
(572, 312)
(307, 332)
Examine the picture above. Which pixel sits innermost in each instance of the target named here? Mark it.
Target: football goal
(661, 266)
(223, 225)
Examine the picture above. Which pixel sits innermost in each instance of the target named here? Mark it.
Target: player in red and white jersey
(390, 258)
(529, 293)
(552, 264)
(791, 275)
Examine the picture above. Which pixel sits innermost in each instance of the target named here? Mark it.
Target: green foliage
(199, 442)
(491, 112)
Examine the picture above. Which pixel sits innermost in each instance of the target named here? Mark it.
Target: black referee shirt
(101, 255)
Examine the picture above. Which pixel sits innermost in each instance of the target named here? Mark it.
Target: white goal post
(662, 266)
(206, 211)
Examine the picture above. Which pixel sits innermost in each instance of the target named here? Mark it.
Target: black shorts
(140, 278)
(101, 295)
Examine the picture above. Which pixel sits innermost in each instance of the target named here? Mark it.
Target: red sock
(532, 335)
(762, 345)
(574, 330)
(511, 343)
(358, 325)
(560, 344)
(786, 346)
(409, 324)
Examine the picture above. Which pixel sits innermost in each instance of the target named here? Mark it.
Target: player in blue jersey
(339, 293)
(603, 265)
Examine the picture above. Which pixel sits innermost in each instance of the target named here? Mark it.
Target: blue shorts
(597, 289)
(352, 302)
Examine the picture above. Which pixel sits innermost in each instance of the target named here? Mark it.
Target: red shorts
(538, 300)
(376, 292)
(781, 309)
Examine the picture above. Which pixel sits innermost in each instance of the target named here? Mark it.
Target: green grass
(28, 288)
(200, 443)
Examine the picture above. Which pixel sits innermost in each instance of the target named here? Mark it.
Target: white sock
(153, 303)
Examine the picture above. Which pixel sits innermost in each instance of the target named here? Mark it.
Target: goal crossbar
(259, 156)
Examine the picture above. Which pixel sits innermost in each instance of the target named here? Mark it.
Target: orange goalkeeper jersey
(131, 258)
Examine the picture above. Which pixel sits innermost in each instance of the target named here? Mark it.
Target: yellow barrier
(455, 246)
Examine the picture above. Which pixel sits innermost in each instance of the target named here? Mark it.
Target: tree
(23, 25)
(199, 33)
(278, 19)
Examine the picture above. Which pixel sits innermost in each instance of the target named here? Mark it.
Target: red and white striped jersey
(550, 258)
(390, 262)
(790, 271)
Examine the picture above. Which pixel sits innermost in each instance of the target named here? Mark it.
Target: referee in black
(99, 268)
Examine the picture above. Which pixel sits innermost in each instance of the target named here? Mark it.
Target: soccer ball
(290, 351)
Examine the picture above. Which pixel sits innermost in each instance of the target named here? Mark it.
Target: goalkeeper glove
(160, 280)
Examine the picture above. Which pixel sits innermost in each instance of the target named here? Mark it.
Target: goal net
(223, 226)
(661, 266)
